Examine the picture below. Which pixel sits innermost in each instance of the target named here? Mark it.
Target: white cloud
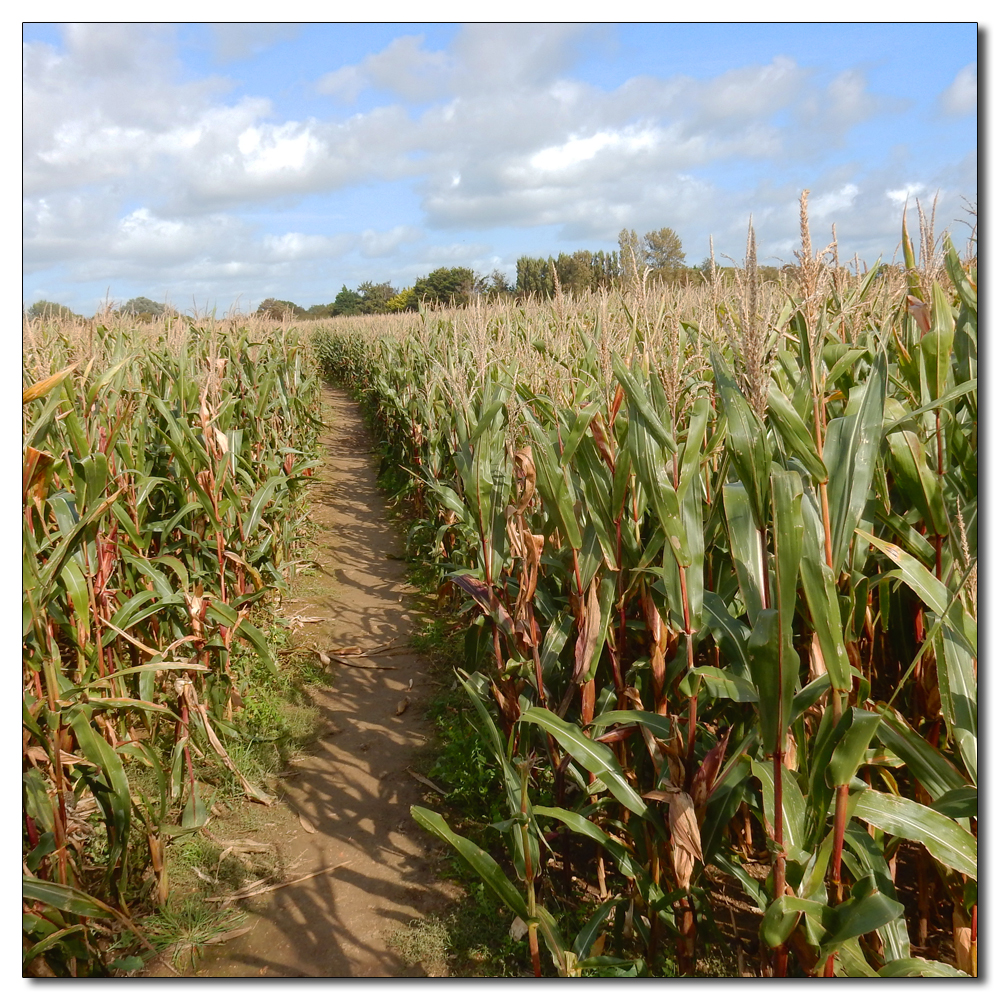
(555, 158)
(899, 196)
(833, 202)
(962, 96)
(375, 244)
(131, 166)
(237, 40)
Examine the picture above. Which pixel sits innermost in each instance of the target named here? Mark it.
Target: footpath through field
(352, 797)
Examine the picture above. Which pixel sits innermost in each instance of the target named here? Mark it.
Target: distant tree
(663, 254)
(347, 303)
(497, 285)
(632, 257)
(446, 286)
(141, 305)
(534, 277)
(319, 311)
(278, 309)
(44, 309)
(575, 271)
(404, 301)
(605, 269)
(375, 298)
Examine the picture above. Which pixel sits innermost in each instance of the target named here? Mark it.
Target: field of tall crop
(719, 546)
(161, 492)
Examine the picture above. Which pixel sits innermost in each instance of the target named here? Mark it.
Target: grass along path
(343, 825)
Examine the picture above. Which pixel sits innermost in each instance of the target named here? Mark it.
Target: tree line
(656, 258)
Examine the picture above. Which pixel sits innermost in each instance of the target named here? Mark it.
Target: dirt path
(355, 791)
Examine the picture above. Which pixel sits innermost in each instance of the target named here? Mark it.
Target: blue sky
(209, 165)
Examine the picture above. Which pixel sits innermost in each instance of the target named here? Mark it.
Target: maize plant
(718, 548)
(160, 497)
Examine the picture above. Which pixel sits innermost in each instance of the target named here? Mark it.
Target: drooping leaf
(943, 837)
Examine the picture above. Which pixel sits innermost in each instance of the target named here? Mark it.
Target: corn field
(719, 548)
(161, 493)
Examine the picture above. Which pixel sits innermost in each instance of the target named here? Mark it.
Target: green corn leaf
(580, 424)
(794, 434)
(745, 546)
(793, 807)
(65, 898)
(933, 592)
(114, 798)
(553, 486)
(919, 968)
(852, 445)
(222, 612)
(723, 684)
(483, 865)
(774, 669)
(925, 762)
(845, 363)
(614, 848)
(511, 779)
(746, 442)
(730, 633)
(259, 502)
(915, 478)
(809, 695)
(584, 941)
(943, 837)
(597, 758)
(851, 739)
(964, 389)
(786, 495)
(721, 807)
(640, 402)
(958, 803)
(860, 916)
(864, 859)
(661, 727)
(782, 916)
(936, 345)
(959, 692)
(967, 291)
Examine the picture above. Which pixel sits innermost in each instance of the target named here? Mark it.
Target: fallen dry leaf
(306, 825)
(426, 781)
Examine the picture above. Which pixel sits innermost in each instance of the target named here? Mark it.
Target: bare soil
(347, 804)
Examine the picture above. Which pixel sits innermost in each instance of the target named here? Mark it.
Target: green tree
(576, 271)
(375, 298)
(320, 311)
(497, 284)
(663, 254)
(278, 309)
(534, 277)
(141, 305)
(632, 257)
(347, 303)
(50, 310)
(605, 269)
(404, 301)
(447, 286)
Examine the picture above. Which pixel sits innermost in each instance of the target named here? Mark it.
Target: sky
(214, 165)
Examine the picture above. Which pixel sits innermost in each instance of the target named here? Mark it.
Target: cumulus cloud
(404, 68)
(962, 95)
(130, 165)
(234, 40)
(376, 244)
